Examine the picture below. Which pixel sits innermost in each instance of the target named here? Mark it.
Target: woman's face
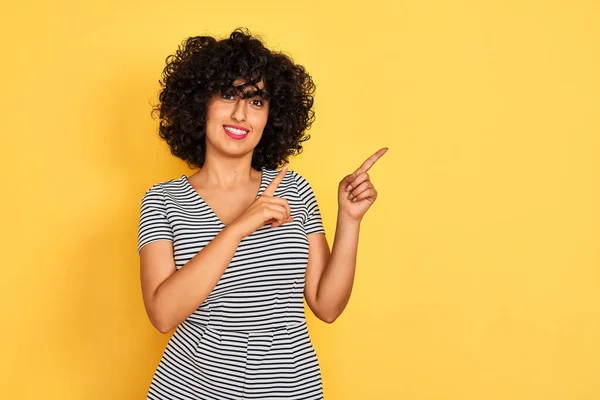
(234, 125)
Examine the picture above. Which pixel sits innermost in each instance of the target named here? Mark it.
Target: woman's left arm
(330, 275)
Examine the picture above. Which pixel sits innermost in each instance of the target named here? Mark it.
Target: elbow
(325, 313)
(163, 328)
(160, 323)
(328, 318)
(158, 316)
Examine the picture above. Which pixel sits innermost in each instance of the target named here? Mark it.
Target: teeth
(235, 131)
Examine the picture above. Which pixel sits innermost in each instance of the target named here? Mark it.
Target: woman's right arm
(171, 295)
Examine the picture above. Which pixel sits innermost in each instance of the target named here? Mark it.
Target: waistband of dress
(234, 329)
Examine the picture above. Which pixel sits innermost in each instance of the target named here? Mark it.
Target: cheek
(210, 116)
(212, 113)
(261, 119)
(211, 123)
(217, 110)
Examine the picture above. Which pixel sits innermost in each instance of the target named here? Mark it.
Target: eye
(228, 96)
(257, 102)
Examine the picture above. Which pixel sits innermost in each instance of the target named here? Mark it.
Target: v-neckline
(210, 209)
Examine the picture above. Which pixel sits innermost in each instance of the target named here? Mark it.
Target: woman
(228, 254)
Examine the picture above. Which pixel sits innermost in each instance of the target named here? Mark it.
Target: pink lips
(233, 136)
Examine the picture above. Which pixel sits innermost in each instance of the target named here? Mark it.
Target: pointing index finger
(270, 190)
(371, 161)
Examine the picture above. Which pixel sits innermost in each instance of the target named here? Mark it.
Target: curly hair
(203, 66)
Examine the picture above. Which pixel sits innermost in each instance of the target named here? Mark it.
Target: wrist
(346, 220)
(232, 232)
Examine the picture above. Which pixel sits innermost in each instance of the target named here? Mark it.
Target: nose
(239, 110)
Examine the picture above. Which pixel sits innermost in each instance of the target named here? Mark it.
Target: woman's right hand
(264, 210)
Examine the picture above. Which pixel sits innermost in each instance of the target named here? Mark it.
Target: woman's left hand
(356, 193)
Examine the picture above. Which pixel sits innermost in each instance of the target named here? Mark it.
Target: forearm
(185, 290)
(335, 285)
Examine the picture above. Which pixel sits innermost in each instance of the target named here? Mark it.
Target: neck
(226, 173)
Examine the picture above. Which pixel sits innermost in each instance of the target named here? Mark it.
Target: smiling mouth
(235, 133)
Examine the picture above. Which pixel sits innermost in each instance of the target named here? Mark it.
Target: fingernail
(348, 188)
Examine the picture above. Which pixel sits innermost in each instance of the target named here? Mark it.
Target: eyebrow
(262, 93)
(247, 93)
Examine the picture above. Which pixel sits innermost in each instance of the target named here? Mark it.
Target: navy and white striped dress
(249, 339)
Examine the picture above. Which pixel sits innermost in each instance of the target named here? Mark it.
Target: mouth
(235, 132)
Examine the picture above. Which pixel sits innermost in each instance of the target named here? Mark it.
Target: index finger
(270, 190)
(371, 160)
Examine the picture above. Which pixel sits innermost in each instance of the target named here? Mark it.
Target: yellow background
(479, 265)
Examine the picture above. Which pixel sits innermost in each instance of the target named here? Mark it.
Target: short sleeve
(153, 224)
(313, 222)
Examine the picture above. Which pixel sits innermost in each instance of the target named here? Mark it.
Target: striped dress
(249, 339)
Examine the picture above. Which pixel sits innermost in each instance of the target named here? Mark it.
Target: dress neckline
(210, 209)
